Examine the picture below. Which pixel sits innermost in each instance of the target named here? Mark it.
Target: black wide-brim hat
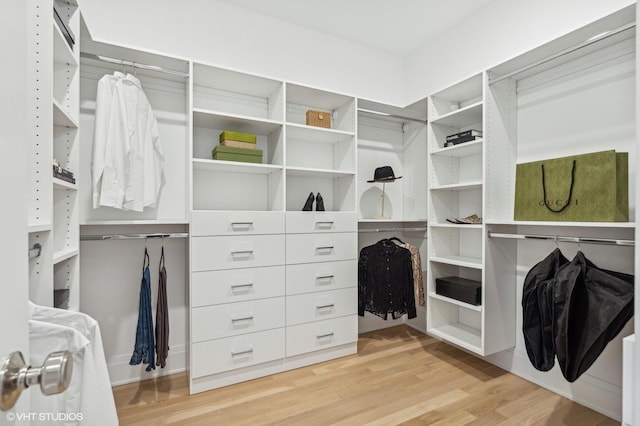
(384, 174)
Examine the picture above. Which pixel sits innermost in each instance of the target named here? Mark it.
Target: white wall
(208, 31)
(218, 33)
(503, 30)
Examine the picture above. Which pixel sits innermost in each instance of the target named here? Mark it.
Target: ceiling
(397, 27)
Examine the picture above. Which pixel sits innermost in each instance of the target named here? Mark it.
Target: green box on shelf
(237, 136)
(228, 153)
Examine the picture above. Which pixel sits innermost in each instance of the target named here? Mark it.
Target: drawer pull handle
(243, 252)
(325, 223)
(242, 352)
(320, 336)
(327, 306)
(247, 224)
(325, 277)
(243, 318)
(239, 286)
(325, 248)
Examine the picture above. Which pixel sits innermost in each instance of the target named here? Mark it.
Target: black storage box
(462, 289)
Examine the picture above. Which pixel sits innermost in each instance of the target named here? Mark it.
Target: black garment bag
(538, 310)
(592, 307)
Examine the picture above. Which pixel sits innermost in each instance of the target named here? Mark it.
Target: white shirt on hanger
(146, 156)
(127, 156)
(110, 145)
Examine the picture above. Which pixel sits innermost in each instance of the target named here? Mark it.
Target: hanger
(396, 239)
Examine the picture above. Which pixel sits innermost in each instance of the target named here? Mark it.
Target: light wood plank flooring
(399, 376)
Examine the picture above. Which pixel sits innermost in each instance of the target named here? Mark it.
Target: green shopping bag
(580, 188)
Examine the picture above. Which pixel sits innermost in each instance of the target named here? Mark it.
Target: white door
(14, 273)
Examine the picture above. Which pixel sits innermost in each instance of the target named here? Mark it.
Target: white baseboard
(588, 390)
(120, 372)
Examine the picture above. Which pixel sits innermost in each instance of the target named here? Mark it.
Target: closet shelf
(134, 222)
(477, 308)
(40, 227)
(621, 225)
(233, 167)
(62, 255)
(62, 118)
(462, 117)
(315, 134)
(466, 149)
(63, 184)
(392, 220)
(465, 186)
(454, 225)
(461, 335)
(311, 172)
(62, 52)
(467, 262)
(238, 123)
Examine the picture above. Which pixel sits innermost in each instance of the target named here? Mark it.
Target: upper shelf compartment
(301, 99)
(62, 53)
(232, 93)
(615, 29)
(458, 105)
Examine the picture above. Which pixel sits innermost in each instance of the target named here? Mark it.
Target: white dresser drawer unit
(311, 222)
(236, 285)
(230, 319)
(220, 355)
(323, 276)
(310, 248)
(214, 253)
(318, 335)
(303, 308)
(205, 223)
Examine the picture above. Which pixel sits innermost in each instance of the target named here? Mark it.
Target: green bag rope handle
(544, 189)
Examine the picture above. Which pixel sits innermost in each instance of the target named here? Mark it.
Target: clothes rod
(133, 64)
(586, 43)
(131, 236)
(417, 229)
(564, 239)
(385, 114)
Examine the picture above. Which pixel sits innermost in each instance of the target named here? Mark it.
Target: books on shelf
(60, 173)
(461, 137)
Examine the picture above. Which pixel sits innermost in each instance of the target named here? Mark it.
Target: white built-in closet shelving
(456, 190)
(393, 136)
(396, 137)
(280, 282)
(167, 93)
(571, 96)
(53, 123)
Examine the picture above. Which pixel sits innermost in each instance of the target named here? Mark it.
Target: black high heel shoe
(308, 205)
(319, 203)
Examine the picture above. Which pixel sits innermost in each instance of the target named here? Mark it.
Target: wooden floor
(399, 376)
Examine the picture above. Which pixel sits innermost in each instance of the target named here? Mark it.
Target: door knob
(15, 376)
